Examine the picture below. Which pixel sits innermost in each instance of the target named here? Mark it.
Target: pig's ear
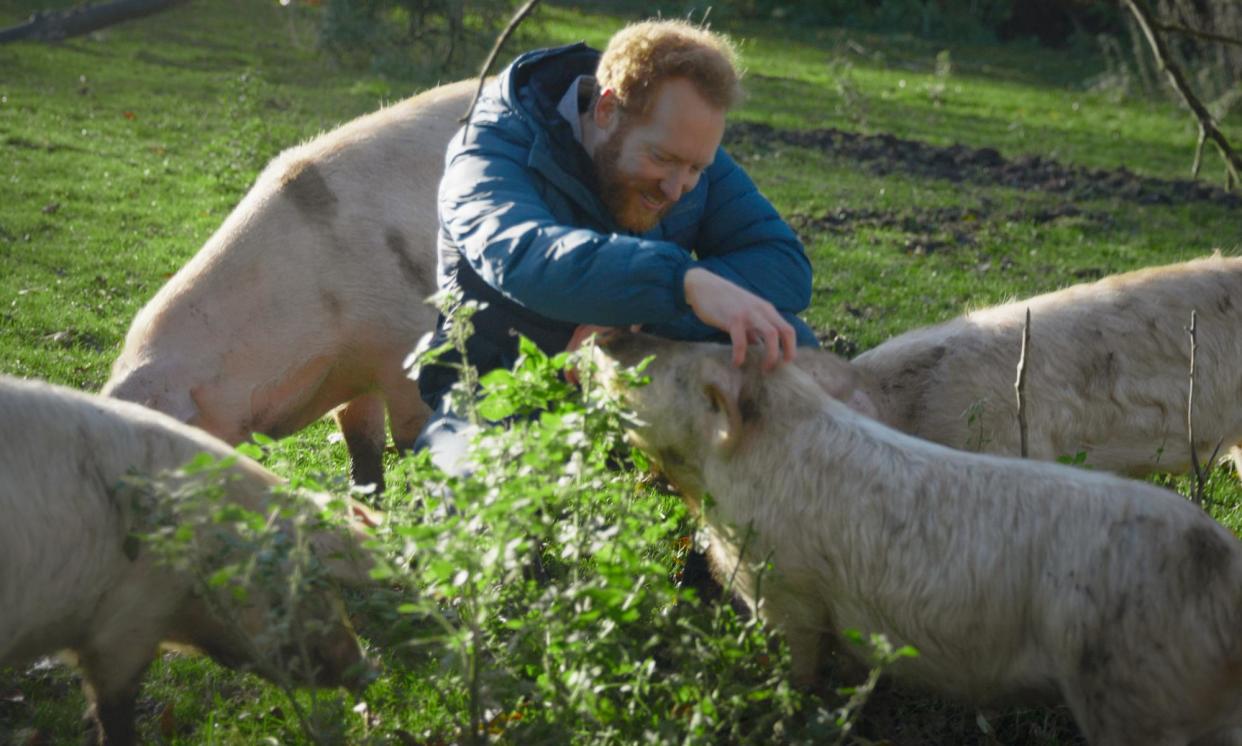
(834, 375)
(861, 403)
(722, 385)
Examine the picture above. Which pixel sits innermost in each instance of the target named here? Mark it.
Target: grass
(125, 149)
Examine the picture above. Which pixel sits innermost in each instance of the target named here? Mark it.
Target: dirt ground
(884, 154)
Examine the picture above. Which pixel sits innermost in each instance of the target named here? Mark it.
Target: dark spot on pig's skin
(1101, 372)
(1120, 609)
(748, 407)
(331, 302)
(1225, 304)
(913, 378)
(1093, 660)
(1207, 555)
(401, 250)
(669, 458)
(304, 185)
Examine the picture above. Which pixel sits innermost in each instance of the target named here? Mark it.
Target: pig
(311, 293)
(77, 576)
(1107, 371)
(1016, 580)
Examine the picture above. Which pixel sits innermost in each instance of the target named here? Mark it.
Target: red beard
(622, 195)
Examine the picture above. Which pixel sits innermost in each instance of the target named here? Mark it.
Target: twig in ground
(1201, 470)
(1019, 386)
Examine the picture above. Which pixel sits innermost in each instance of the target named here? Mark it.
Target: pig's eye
(713, 400)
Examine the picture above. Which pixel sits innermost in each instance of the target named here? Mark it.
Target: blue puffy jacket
(523, 230)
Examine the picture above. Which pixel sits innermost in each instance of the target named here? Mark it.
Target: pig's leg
(1228, 737)
(112, 672)
(1108, 720)
(1235, 455)
(805, 646)
(362, 423)
(407, 413)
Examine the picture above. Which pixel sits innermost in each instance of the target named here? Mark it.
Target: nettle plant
(544, 580)
(540, 590)
(247, 559)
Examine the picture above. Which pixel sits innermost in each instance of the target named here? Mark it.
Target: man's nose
(677, 184)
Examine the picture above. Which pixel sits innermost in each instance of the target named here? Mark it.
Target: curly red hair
(643, 55)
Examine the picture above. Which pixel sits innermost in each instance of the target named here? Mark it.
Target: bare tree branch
(62, 24)
(514, 22)
(1019, 385)
(1233, 163)
(1178, 28)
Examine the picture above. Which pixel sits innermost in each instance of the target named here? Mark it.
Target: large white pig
(311, 293)
(1106, 373)
(77, 575)
(1017, 580)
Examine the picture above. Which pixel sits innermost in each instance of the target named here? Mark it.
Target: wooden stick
(1190, 413)
(514, 22)
(1019, 385)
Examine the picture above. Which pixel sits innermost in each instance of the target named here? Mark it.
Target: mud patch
(836, 342)
(935, 229)
(884, 154)
(902, 718)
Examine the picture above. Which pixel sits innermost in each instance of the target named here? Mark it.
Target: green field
(122, 152)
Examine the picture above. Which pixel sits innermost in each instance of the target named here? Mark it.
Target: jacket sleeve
(491, 208)
(743, 239)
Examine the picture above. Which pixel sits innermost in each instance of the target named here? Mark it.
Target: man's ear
(722, 386)
(607, 109)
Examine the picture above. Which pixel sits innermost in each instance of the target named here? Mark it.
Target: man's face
(645, 166)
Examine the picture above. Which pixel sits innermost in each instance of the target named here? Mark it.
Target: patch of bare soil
(934, 229)
(900, 718)
(884, 154)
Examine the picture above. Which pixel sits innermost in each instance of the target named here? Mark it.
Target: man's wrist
(680, 299)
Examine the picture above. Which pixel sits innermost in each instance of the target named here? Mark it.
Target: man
(574, 198)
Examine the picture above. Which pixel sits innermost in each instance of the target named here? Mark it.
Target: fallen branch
(62, 24)
(1233, 163)
(1019, 385)
(514, 22)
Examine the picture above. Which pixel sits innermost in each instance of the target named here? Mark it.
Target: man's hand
(743, 315)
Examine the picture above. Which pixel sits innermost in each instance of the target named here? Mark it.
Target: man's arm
(743, 239)
(490, 206)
